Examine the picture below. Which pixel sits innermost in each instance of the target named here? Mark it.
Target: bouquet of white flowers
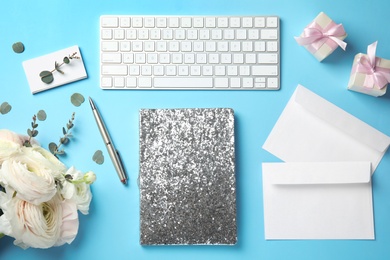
(39, 195)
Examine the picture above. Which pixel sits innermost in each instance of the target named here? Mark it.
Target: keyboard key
(247, 22)
(110, 46)
(272, 22)
(259, 22)
(125, 22)
(264, 70)
(267, 58)
(119, 82)
(210, 22)
(106, 34)
(131, 82)
(269, 34)
(111, 57)
(106, 82)
(180, 82)
(174, 22)
(145, 82)
(109, 22)
(221, 82)
(114, 70)
(137, 22)
(273, 83)
(198, 22)
(161, 22)
(186, 22)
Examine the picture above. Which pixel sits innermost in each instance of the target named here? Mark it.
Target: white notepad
(73, 71)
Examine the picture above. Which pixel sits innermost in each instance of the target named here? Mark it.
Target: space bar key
(181, 82)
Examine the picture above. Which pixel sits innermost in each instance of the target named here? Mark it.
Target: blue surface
(111, 230)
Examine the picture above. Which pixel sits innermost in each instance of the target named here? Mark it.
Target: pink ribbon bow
(368, 65)
(314, 33)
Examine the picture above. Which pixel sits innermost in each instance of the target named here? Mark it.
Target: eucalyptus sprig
(33, 132)
(47, 76)
(53, 147)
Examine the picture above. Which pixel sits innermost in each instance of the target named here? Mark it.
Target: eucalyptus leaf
(66, 60)
(5, 108)
(46, 76)
(29, 132)
(41, 115)
(98, 157)
(18, 47)
(77, 99)
(52, 148)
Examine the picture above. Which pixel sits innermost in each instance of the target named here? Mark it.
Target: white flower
(51, 223)
(9, 143)
(77, 188)
(89, 177)
(31, 173)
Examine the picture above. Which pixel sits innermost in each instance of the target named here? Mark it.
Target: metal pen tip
(91, 103)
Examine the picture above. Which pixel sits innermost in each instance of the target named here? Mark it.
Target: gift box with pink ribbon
(322, 36)
(370, 74)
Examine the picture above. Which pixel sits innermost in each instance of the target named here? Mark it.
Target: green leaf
(34, 133)
(18, 47)
(5, 108)
(46, 76)
(77, 99)
(29, 132)
(1, 235)
(64, 131)
(64, 140)
(52, 148)
(98, 157)
(66, 60)
(41, 115)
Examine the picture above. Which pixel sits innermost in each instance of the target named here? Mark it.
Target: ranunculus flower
(39, 196)
(31, 173)
(7, 135)
(51, 223)
(9, 143)
(77, 188)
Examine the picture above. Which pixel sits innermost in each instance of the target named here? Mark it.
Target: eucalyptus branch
(47, 76)
(41, 116)
(31, 132)
(54, 148)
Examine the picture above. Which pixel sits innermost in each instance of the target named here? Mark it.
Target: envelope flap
(318, 173)
(341, 119)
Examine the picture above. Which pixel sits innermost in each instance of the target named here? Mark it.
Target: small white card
(73, 71)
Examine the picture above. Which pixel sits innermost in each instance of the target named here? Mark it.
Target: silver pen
(114, 154)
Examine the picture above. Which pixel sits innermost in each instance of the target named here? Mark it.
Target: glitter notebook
(187, 177)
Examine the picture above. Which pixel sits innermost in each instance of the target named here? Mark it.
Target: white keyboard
(190, 52)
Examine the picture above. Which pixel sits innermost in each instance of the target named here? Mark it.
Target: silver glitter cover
(187, 177)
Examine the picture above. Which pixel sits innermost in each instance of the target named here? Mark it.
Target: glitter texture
(187, 177)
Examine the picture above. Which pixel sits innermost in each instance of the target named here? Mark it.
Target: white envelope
(318, 200)
(311, 129)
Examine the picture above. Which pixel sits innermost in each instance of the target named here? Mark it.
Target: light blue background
(111, 230)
